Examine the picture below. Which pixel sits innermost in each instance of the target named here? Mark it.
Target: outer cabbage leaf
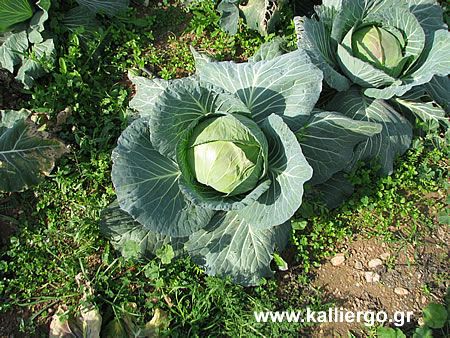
(429, 13)
(350, 12)
(14, 11)
(229, 15)
(38, 19)
(147, 92)
(337, 4)
(328, 140)
(334, 191)
(108, 7)
(289, 85)
(231, 246)
(44, 4)
(25, 153)
(147, 188)
(130, 237)
(288, 171)
(314, 37)
(270, 50)
(80, 16)
(32, 69)
(8, 118)
(439, 90)
(12, 50)
(394, 139)
(418, 102)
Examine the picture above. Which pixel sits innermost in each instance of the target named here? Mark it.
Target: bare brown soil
(405, 271)
(11, 95)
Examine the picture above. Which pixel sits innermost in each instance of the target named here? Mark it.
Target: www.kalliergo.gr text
(334, 315)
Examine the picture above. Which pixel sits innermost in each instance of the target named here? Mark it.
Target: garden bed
(54, 258)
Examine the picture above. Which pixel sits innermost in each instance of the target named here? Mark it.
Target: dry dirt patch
(369, 274)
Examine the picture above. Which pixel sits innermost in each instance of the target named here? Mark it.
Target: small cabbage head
(225, 153)
(379, 47)
(386, 47)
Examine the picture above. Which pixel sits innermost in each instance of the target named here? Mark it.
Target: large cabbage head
(227, 153)
(385, 46)
(380, 48)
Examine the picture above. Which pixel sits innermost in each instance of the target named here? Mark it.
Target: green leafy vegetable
(435, 315)
(212, 162)
(218, 161)
(25, 153)
(388, 48)
(213, 159)
(227, 153)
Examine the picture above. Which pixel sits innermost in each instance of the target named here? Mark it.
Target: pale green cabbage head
(225, 154)
(379, 47)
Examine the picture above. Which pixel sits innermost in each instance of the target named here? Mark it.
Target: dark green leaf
(147, 188)
(288, 85)
(328, 140)
(25, 153)
(130, 237)
(395, 137)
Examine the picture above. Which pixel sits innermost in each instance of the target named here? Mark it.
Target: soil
(9, 323)
(11, 95)
(404, 271)
(8, 216)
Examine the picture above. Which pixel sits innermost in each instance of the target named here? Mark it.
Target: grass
(58, 241)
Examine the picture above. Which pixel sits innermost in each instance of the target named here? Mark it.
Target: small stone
(338, 259)
(358, 265)
(421, 322)
(424, 299)
(373, 263)
(371, 277)
(385, 256)
(401, 291)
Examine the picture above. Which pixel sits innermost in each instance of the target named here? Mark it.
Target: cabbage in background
(396, 51)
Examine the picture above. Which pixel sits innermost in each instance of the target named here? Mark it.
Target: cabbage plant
(395, 51)
(215, 164)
